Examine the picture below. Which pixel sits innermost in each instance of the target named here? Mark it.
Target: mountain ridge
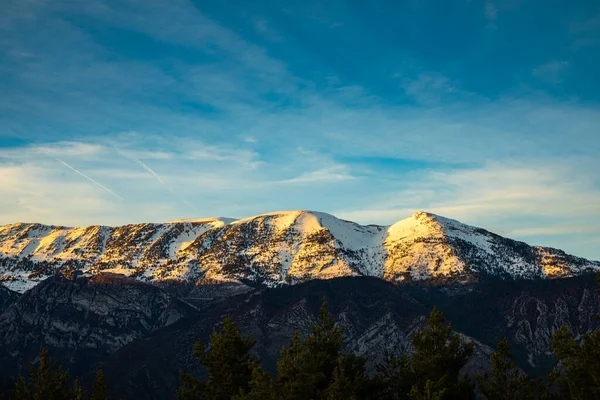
(284, 247)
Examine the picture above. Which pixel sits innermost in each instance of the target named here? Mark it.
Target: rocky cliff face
(376, 316)
(141, 335)
(279, 248)
(80, 320)
(7, 297)
(528, 313)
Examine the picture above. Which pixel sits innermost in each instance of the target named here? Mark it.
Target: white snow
(186, 238)
(352, 235)
(282, 216)
(286, 244)
(217, 221)
(467, 233)
(21, 284)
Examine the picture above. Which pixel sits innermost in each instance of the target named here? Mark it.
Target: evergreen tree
(431, 391)
(293, 378)
(440, 355)
(577, 376)
(21, 391)
(578, 373)
(394, 376)
(99, 390)
(438, 358)
(305, 369)
(260, 386)
(78, 393)
(506, 382)
(349, 380)
(228, 363)
(47, 381)
(191, 388)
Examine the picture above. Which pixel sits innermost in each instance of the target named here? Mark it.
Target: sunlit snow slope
(277, 248)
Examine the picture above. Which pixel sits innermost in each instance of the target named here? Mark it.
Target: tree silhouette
(99, 390)
(432, 369)
(506, 381)
(306, 367)
(48, 381)
(577, 376)
(228, 363)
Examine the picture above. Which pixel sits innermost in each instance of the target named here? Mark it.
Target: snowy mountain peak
(212, 220)
(424, 218)
(277, 248)
(423, 215)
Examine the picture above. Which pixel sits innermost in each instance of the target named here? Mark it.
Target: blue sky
(115, 112)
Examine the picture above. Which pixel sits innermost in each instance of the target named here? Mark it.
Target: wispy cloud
(246, 157)
(36, 192)
(585, 32)
(156, 176)
(69, 149)
(49, 154)
(491, 12)
(331, 174)
(553, 231)
(429, 89)
(235, 174)
(264, 29)
(552, 72)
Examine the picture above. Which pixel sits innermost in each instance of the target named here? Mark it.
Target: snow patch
(279, 247)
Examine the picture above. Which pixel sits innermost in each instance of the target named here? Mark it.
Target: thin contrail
(155, 175)
(72, 168)
(86, 177)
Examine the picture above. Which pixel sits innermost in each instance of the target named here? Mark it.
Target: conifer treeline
(315, 368)
(48, 381)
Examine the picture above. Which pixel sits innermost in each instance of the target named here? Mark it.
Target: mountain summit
(279, 248)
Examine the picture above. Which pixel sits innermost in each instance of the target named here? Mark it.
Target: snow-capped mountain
(278, 248)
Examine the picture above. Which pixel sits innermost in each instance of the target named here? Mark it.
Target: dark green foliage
(314, 368)
(349, 380)
(394, 376)
(260, 385)
(431, 391)
(306, 367)
(433, 368)
(578, 374)
(191, 388)
(228, 363)
(294, 379)
(21, 391)
(99, 390)
(440, 355)
(506, 382)
(78, 393)
(48, 381)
